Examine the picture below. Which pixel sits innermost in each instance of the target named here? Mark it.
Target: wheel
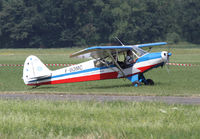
(149, 82)
(136, 83)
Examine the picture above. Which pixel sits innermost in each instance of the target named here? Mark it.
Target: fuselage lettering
(77, 68)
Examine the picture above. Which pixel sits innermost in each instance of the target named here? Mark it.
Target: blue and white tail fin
(34, 69)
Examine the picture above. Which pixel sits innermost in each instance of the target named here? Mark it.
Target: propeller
(167, 66)
(168, 55)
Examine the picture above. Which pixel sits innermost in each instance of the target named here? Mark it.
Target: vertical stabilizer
(34, 69)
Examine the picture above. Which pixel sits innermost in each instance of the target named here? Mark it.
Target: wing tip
(152, 44)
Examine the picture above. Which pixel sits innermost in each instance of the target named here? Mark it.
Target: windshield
(139, 52)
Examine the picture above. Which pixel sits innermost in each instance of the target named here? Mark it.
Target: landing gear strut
(136, 83)
(144, 80)
(138, 79)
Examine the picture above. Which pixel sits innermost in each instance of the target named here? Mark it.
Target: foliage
(173, 38)
(67, 23)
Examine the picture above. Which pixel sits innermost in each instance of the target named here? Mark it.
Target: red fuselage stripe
(143, 69)
(111, 75)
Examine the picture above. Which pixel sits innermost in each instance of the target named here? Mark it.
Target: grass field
(59, 119)
(44, 119)
(182, 81)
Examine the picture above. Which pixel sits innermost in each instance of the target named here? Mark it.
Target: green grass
(47, 119)
(182, 81)
(184, 45)
(59, 119)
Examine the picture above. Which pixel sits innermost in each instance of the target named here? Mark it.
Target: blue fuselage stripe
(73, 73)
(146, 57)
(149, 56)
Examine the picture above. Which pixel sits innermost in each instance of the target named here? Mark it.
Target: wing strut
(113, 59)
(119, 41)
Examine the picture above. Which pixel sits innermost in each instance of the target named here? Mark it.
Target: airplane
(108, 62)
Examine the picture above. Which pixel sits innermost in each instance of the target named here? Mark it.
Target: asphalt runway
(69, 97)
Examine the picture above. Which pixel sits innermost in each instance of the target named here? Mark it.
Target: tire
(136, 83)
(149, 82)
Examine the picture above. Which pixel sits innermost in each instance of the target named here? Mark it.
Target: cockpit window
(103, 62)
(119, 57)
(139, 52)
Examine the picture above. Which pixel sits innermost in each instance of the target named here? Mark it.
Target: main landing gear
(149, 82)
(138, 79)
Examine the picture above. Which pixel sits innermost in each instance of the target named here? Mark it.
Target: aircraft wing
(100, 51)
(150, 44)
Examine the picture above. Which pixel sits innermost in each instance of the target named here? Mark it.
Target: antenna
(119, 41)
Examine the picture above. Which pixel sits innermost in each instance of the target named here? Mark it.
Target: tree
(190, 21)
(67, 23)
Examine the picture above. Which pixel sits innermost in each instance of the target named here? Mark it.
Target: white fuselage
(87, 71)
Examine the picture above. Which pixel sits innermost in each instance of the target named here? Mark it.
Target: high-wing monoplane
(108, 62)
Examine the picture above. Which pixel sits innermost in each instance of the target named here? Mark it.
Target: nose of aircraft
(165, 56)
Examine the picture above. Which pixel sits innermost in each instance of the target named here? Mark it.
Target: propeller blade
(167, 67)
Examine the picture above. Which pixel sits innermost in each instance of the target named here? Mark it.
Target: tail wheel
(149, 82)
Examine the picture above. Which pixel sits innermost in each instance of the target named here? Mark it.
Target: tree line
(67, 23)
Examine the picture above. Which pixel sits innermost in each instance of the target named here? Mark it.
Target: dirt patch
(90, 97)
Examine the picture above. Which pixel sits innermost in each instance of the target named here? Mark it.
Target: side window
(98, 63)
(139, 52)
(134, 54)
(130, 56)
(103, 62)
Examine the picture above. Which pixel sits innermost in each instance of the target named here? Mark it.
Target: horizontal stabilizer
(40, 77)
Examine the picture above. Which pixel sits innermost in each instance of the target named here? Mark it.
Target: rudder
(34, 69)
